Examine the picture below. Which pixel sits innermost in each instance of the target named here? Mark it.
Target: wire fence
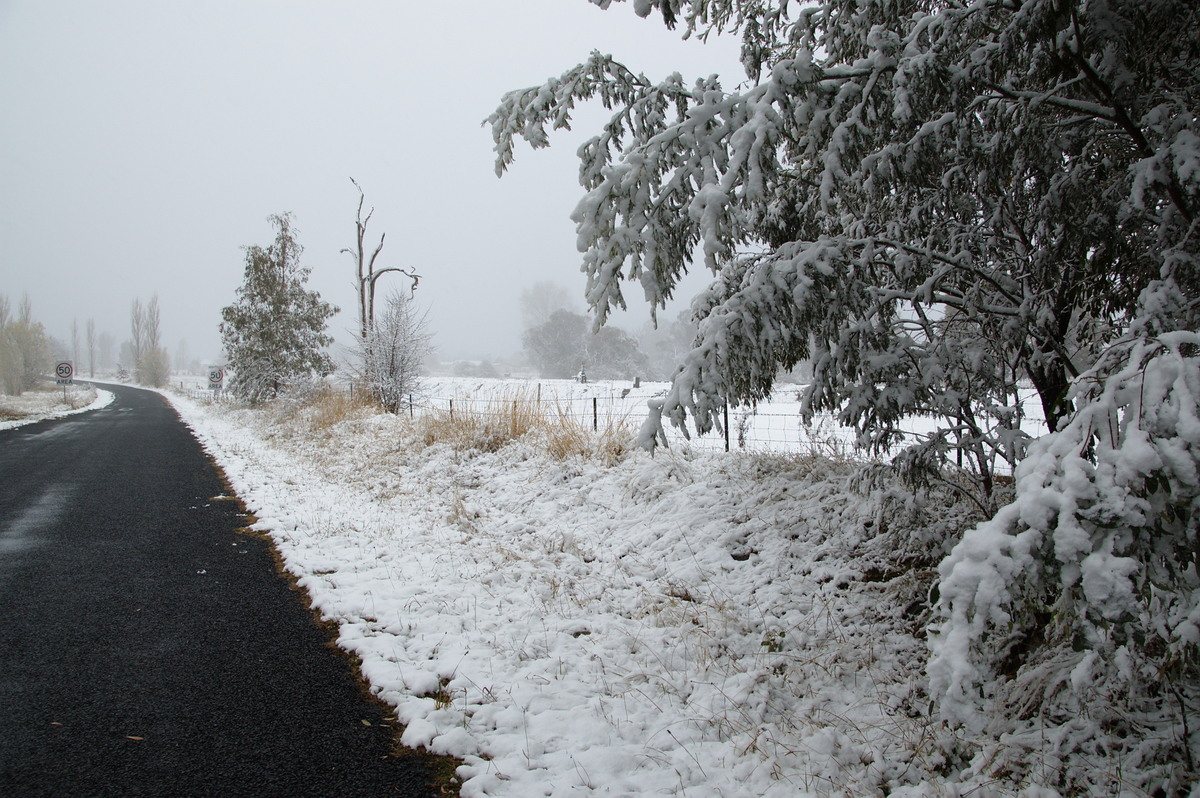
(773, 426)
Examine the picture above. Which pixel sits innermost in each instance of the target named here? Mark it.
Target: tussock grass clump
(488, 425)
(483, 425)
(325, 408)
(567, 437)
(473, 424)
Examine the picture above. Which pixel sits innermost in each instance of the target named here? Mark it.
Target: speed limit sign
(216, 376)
(64, 371)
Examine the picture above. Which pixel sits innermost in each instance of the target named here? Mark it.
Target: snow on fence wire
(772, 426)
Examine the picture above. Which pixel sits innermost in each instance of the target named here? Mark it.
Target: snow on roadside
(36, 406)
(703, 625)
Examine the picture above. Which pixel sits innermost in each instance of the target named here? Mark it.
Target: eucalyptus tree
(939, 205)
(931, 202)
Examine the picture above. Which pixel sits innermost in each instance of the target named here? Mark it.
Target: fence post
(451, 408)
(727, 426)
(595, 415)
(410, 407)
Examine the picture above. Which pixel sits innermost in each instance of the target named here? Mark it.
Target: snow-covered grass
(49, 401)
(692, 623)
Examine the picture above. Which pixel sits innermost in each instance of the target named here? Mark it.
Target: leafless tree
(394, 351)
(91, 347)
(75, 342)
(152, 365)
(137, 330)
(366, 272)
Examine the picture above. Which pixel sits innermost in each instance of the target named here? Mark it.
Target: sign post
(64, 372)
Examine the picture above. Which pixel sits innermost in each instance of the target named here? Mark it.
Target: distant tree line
(25, 353)
(562, 343)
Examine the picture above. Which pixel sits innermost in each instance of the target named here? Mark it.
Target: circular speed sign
(64, 371)
(216, 376)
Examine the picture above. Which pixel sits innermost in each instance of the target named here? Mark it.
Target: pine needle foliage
(274, 334)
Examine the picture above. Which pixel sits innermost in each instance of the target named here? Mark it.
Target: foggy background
(143, 144)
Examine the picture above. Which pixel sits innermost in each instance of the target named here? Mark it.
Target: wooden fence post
(727, 426)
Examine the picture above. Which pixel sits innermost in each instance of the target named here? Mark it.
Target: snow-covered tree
(137, 334)
(395, 351)
(1071, 620)
(392, 349)
(939, 203)
(932, 201)
(274, 334)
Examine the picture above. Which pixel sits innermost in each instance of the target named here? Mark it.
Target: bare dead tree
(91, 347)
(367, 274)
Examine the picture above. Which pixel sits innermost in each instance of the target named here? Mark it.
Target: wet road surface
(150, 648)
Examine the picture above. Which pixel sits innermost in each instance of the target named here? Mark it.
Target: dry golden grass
(476, 425)
(567, 437)
(481, 425)
(325, 408)
(487, 426)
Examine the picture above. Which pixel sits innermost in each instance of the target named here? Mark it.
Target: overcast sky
(142, 144)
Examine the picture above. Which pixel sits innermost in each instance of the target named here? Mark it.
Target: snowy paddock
(692, 623)
(50, 401)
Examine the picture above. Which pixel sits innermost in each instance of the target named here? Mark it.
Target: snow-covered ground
(31, 406)
(694, 623)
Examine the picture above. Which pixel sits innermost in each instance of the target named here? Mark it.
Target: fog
(145, 143)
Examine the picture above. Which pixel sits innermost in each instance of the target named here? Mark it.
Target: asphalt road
(150, 648)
